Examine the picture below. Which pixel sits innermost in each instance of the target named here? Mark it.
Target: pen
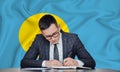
(70, 54)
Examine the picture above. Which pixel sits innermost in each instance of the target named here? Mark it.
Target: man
(56, 48)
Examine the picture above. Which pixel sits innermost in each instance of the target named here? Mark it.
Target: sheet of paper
(43, 68)
(69, 67)
(64, 67)
(57, 67)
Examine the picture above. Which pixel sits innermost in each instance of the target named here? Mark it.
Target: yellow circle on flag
(30, 28)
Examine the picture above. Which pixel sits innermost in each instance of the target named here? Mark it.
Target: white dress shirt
(60, 50)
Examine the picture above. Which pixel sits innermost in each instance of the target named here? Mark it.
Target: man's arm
(26, 63)
(30, 57)
(83, 55)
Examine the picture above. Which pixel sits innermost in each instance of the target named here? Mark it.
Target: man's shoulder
(71, 37)
(69, 34)
(39, 36)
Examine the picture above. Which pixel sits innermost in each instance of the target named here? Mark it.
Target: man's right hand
(53, 63)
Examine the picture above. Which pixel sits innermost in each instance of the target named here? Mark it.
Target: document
(69, 67)
(35, 69)
(57, 67)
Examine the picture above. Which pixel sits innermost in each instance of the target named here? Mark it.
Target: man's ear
(42, 32)
(59, 27)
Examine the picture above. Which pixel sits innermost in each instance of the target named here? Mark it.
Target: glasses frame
(54, 35)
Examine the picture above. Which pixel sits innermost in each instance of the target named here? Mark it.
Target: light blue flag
(97, 22)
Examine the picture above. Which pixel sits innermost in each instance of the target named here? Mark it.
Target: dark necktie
(56, 53)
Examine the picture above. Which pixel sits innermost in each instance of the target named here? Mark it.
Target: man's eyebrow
(52, 34)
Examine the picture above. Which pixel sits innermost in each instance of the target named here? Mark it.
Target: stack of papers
(69, 67)
(35, 69)
(57, 67)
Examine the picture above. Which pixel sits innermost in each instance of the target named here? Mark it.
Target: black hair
(46, 21)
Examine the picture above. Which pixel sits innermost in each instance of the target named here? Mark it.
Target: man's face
(52, 34)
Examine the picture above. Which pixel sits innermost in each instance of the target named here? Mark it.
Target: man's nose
(52, 38)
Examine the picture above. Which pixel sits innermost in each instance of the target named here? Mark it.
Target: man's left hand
(70, 62)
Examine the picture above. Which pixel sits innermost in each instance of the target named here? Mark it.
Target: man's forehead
(52, 29)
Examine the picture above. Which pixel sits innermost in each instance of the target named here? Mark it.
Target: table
(55, 70)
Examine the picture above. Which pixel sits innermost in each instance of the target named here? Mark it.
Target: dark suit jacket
(40, 46)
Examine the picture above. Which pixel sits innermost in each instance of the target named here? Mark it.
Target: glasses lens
(55, 34)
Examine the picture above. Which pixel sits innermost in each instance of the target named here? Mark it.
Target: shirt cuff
(80, 63)
(43, 63)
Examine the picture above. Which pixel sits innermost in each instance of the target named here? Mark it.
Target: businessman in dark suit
(56, 48)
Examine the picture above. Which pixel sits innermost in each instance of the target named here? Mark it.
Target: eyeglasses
(54, 35)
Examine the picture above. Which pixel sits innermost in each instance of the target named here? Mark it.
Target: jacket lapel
(65, 45)
(47, 50)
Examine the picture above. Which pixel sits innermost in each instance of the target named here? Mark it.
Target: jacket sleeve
(82, 53)
(29, 60)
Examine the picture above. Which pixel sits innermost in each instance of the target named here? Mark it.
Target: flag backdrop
(97, 22)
